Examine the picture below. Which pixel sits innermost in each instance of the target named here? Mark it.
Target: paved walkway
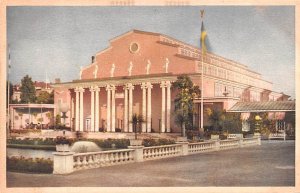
(271, 164)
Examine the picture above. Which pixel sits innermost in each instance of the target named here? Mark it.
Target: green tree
(10, 87)
(232, 122)
(137, 121)
(45, 98)
(27, 90)
(217, 119)
(58, 120)
(184, 106)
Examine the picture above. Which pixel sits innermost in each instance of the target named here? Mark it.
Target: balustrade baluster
(84, 161)
(91, 161)
(77, 162)
(106, 158)
(151, 153)
(130, 156)
(111, 158)
(118, 159)
(102, 161)
(121, 157)
(126, 156)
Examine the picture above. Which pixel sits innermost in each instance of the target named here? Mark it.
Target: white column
(143, 86)
(108, 89)
(72, 111)
(77, 109)
(81, 120)
(168, 128)
(163, 106)
(130, 88)
(113, 109)
(97, 89)
(125, 109)
(92, 90)
(149, 107)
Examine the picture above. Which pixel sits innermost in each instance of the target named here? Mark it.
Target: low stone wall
(68, 162)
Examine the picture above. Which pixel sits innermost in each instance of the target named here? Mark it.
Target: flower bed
(37, 165)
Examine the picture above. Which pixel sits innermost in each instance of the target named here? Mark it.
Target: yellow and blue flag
(203, 39)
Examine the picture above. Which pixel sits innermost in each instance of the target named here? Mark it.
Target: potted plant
(62, 144)
(136, 121)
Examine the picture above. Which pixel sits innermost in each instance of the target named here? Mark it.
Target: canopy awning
(270, 106)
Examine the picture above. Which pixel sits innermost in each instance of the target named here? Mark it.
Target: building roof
(269, 106)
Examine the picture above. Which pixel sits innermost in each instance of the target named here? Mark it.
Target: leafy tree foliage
(184, 102)
(45, 98)
(27, 90)
(217, 119)
(10, 87)
(232, 123)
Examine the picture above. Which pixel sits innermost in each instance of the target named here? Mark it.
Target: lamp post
(64, 108)
(257, 125)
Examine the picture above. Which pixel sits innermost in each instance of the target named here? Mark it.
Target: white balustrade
(80, 161)
(101, 159)
(164, 151)
(229, 144)
(201, 147)
(250, 141)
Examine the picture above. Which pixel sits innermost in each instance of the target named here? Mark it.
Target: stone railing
(101, 159)
(251, 141)
(68, 162)
(164, 151)
(229, 144)
(201, 147)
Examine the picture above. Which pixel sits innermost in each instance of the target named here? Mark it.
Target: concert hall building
(134, 75)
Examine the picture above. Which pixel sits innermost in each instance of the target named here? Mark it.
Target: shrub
(63, 140)
(121, 143)
(37, 165)
(24, 131)
(157, 142)
(165, 141)
(149, 142)
(28, 141)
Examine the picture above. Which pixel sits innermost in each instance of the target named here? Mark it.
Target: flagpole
(8, 93)
(202, 90)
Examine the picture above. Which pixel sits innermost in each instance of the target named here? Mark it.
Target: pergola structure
(276, 110)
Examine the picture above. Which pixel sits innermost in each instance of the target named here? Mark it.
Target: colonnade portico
(128, 93)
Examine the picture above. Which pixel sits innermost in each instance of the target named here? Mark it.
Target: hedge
(37, 165)
(157, 142)
(111, 143)
(36, 147)
(35, 141)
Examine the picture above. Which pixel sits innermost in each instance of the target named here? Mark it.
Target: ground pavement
(271, 164)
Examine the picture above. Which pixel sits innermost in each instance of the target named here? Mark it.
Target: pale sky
(58, 40)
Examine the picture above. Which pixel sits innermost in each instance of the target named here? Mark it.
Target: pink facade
(149, 63)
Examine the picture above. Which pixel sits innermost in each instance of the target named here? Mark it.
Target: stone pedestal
(181, 139)
(184, 147)
(217, 145)
(136, 142)
(214, 137)
(138, 153)
(63, 162)
(259, 140)
(241, 142)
